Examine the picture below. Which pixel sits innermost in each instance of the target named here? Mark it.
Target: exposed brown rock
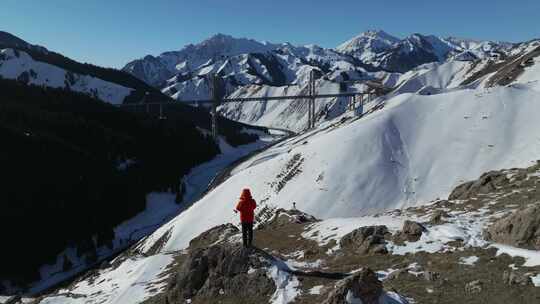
(366, 240)
(293, 216)
(521, 228)
(411, 231)
(219, 272)
(487, 183)
(214, 235)
(363, 285)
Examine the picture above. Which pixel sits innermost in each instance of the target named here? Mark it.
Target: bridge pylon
(214, 94)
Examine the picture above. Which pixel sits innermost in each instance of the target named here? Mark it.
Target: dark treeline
(59, 177)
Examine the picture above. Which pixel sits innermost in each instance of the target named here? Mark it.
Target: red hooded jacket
(246, 205)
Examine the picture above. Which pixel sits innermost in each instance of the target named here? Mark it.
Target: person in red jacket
(246, 206)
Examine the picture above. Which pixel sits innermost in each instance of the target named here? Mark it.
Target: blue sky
(113, 32)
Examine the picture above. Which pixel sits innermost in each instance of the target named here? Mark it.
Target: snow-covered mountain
(156, 70)
(19, 65)
(181, 74)
(252, 69)
(368, 45)
(462, 70)
(401, 55)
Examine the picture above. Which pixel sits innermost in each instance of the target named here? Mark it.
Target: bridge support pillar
(311, 101)
(215, 103)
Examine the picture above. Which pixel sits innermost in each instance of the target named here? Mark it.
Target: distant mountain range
(245, 61)
(251, 68)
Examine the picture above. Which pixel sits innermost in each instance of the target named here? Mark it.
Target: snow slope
(19, 65)
(414, 150)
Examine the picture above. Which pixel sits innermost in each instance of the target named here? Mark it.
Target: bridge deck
(250, 99)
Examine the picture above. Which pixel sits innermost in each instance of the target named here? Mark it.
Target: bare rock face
(411, 231)
(220, 272)
(363, 285)
(487, 183)
(521, 228)
(366, 240)
(214, 235)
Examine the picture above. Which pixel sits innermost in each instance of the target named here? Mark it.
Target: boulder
(411, 231)
(488, 182)
(520, 228)
(366, 240)
(284, 217)
(214, 235)
(220, 272)
(363, 285)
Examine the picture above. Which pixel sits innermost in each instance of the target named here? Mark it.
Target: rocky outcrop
(366, 240)
(411, 232)
(220, 272)
(213, 236)
(284, 217)
(363, 285)
(521, 228)
(487, 183)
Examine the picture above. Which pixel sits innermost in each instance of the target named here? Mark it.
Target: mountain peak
(372, 41)
(220, 37)
(376, 33)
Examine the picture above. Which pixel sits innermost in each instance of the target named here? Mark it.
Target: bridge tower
(311, 101)
(214, 94)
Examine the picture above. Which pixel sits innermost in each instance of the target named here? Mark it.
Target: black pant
(247, 234)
